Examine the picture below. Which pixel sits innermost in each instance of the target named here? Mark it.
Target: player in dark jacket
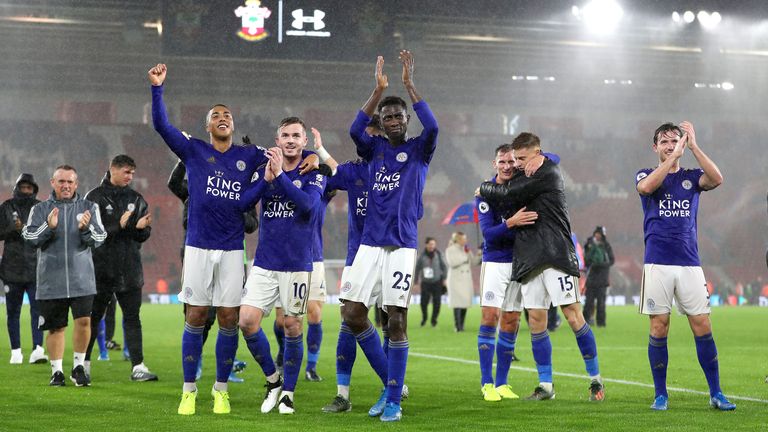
(117, 264)
(545, 261)
(17, 268)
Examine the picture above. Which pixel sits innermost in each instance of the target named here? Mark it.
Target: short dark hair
(504, 148)
(392, 100)
(526, 140)
(666, 127)
(289, 121)
(208, 114)
(122, 160)
(65, 167)
(428, 239)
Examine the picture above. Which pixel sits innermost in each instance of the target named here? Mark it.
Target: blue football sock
(658, 357)
(504, 352)
(279, 337)
(486, 345)
(314, 339)
(588, 347)
(385, 337)
(191, 349)
(294, 354)
(542, 355)
(258, 345)
(346, 351)
(707, 353)
(101, 337)
(397, 362)
(369, 343)
(226, 350)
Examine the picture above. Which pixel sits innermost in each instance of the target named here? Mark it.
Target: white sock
(220, 386)
(87, 367)
(546, 386)
(56, 366)
(343, 391)
(275, 377)
(287, 393)
(189, 387)
(79, 359)
(597, 377)
(16, 351)
(139, 366)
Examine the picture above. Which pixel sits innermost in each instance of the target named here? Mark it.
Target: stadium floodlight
(602, 16)
(688, 17)
(676, 17)
(709, 20)
(727, 85)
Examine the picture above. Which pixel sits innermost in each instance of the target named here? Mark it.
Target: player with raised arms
(672, 270)
(384, 263)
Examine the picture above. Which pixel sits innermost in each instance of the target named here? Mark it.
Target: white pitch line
(571, 375)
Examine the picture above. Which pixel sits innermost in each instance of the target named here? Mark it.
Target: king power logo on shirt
(218, 186)
(669, 207)
(386, 181)
(276, 208)
(361, 204)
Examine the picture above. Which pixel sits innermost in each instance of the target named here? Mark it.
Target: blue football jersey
(353, 177)
(669, 220)
(498, 239)
(216, 182)
(289, 212)
(396, 176)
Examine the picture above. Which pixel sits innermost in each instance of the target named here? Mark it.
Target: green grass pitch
(443, 377)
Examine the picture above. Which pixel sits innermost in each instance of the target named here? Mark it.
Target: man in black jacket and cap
(17, 268)
(545, 260)
(125, 216)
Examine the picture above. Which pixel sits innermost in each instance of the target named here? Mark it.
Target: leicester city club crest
(687, 185)
(240, 165)
(402, 157)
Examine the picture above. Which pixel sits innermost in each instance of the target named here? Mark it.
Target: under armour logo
(299, 19)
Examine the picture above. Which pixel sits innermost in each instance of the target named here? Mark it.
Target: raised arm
(325, 157)
(364, 142)
(381, 84)
(653, 181)
(406, 58)
(176, 182)
(712, 177)
(172, 136)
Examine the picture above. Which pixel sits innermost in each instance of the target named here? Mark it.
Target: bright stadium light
(676, 17)
(709, 20)
(727, 85)
(688, 17)
(602, 16)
